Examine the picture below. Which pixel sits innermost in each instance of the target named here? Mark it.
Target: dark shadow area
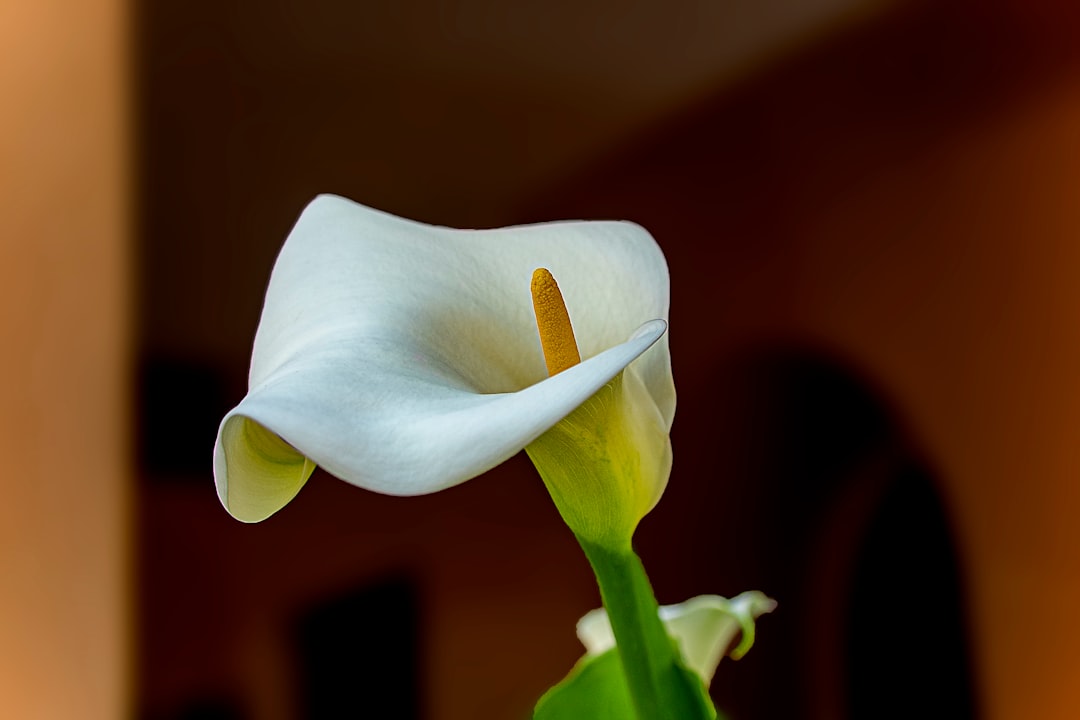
(906, 643)
(180, 406)
(211, 707)
(357, 655)
(845, 527)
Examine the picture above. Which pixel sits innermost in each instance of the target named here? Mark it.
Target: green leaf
(596, 689)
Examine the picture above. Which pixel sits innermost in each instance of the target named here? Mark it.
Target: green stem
(658, 685)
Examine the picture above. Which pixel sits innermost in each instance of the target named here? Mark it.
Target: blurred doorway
(853, 537)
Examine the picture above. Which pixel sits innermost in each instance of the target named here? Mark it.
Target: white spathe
(404, 358)
(704, 627)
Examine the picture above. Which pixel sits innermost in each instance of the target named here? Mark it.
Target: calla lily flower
(404, 358)
(704, 628)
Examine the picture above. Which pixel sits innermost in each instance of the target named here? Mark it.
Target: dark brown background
(872, 236)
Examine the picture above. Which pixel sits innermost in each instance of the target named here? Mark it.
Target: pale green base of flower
(606, 464)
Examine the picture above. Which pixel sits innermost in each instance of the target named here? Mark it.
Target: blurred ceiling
(457, 112)
(510, 95)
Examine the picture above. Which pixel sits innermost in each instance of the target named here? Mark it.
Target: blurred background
(871, 213)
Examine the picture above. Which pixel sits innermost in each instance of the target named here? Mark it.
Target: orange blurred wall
(968, 309)
(64, 301)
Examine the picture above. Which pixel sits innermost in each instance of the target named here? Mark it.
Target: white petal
(404, 358)
(595, 633)
(704, 628)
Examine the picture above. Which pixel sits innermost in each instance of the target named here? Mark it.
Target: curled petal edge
(270, 443)
(704, 628)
